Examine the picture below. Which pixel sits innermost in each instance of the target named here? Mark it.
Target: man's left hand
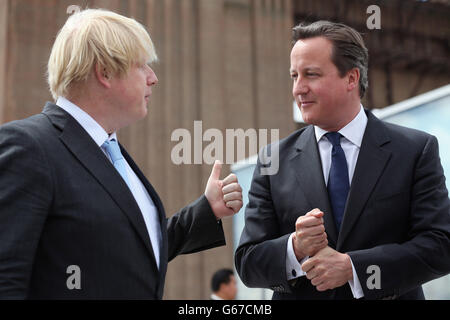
(328, 269)
(224, 196)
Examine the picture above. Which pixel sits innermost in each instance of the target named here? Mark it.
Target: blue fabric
(113, 150)
(338, 181)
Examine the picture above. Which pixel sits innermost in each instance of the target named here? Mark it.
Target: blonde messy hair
(94, 36)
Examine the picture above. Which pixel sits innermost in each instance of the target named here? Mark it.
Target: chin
(143, 114)
(307, 118)
(144, 110)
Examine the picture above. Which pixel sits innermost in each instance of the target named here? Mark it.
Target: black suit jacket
(397, 214)
(63, 203)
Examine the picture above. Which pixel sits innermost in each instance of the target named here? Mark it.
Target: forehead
(312, 52)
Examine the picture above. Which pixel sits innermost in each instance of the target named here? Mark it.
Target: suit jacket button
(294, 274)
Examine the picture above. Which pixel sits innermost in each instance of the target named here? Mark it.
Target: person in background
(223, 285)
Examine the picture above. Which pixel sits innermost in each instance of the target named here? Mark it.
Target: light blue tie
(113, 150)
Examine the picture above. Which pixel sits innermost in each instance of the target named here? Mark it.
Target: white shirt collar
(353, 131)
(97, 133)
(215, 297)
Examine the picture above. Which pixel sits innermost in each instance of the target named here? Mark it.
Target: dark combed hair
(219, 277)
(349, 50)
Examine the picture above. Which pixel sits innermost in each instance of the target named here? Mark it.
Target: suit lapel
(81, 145)
(163, 249)
(307, 166)
(372, 160)
(156, 200)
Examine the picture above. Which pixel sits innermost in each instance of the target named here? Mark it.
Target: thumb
(318, 214)
(315, 213)
(217, 168)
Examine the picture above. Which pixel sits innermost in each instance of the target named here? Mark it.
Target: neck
(94, 106)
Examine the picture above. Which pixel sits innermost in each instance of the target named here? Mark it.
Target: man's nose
(152, 78)
(300, 88)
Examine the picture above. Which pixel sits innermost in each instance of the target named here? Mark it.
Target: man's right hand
(310, 235)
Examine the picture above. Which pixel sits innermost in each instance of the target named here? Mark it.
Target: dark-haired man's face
(321, 94)
(230, 289)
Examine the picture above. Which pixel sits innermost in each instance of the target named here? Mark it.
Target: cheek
(326, 92)
(335, 95)
(125, 93)
(134, 94)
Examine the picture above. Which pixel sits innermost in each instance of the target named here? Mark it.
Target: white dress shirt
(352, 135)
(143, 199)
(215, 297)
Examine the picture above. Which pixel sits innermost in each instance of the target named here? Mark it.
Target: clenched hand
(224, 196)
(310, 235)
(328, 269)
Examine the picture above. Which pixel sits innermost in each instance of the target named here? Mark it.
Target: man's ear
(353, 79)
(102, 76)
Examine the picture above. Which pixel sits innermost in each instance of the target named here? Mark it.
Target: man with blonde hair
(78, 219)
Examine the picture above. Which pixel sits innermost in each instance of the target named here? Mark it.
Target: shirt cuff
(293, 267)
(355, 285)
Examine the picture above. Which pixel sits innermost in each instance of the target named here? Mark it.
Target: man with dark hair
(359, 207)
(348, 50)
(223, 285)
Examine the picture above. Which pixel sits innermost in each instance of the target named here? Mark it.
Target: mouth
(306, 103)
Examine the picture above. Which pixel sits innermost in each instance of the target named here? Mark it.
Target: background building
(224, 62)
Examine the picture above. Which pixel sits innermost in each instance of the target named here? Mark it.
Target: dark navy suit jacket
(397, 215)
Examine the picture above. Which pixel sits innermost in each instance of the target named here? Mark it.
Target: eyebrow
(306, 69)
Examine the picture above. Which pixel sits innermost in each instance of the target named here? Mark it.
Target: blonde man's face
(131, 93)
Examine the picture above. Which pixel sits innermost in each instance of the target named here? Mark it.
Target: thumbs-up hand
(224, 196)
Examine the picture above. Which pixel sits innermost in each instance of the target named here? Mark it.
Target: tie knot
(334, 138)
(113, 149)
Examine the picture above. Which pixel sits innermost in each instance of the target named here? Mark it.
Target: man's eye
(310, 74)
(293, 76)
